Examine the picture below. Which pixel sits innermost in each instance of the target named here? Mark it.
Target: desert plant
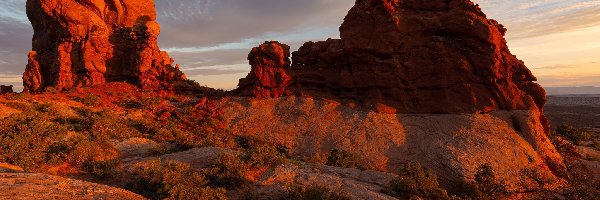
(228, 172)
(574, 134)
(90, 100)
(26, 137)
(486, 185)
(264, 156)
(315, 193)
(342, 158)
(415, 181)
(173, 180)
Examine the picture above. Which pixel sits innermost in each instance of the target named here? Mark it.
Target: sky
(558, 39)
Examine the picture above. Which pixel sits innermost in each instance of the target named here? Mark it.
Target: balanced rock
(438, 56)
(87, 42)
(268, 77)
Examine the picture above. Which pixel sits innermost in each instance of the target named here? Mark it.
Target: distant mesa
(437, 56)
(80, 43)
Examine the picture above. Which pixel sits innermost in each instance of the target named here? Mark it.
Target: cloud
(206, 23)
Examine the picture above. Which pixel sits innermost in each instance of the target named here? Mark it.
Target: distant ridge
(572, 90)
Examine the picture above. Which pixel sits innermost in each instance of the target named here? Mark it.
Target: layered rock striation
(90, 42)
(438, 56)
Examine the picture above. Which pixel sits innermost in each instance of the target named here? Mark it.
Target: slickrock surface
(41, 186)
(268, 77)
(452, 145)
(88, 42)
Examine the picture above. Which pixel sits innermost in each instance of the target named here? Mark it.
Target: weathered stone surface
(452, 145)
(40, 186)
(438, 56)
(268, 77)
(86, 42)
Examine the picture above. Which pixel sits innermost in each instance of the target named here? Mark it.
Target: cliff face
(435, 56)
(89, 42)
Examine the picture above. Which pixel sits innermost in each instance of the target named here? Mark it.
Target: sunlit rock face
(268, 77)
(412, 56)
(89, 42)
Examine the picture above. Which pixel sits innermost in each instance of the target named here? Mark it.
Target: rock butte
(413, 56)
(91, 42)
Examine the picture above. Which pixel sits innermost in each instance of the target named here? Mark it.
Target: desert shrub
(486, 185)
(173, 180)
(534, 183)
(90, 100)
(315, 193)
(573, 134)
(264, 156)
(99, 124)
(189, 190)
(415, 181)
(228, 172)
(342, 158)
(150, 103)
(102, 169)
(26, 137)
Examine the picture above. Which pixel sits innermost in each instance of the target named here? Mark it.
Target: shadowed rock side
(268, 77)
(438, 56)
(84, 42)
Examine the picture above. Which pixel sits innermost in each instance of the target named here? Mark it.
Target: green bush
(342, 158)
(315, 193)
(573, 134)
(90, 100)
(26, 137)
(228, 172)
(486, 185)
(415, 181)
(174, 180)
(102, 169)
(264, 156)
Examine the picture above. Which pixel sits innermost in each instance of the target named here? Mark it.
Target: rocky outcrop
(40, 186)
(438, 56)
(88, 42)
(268, 77)
(452, 145)
(6, 89)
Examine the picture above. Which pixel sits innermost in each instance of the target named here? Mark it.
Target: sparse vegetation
(90, 100)
(486, 185)
(174, 180)
(574, 134)
(415, 181)
(315, 193)
(342, 158)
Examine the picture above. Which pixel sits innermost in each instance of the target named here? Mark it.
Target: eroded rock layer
(437, 56)
(89, 42)
(268, 77)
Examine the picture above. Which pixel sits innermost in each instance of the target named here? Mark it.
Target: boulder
(84, 42)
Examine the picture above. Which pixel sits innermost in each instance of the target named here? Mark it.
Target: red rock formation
(89, 42)
(268, 77)
(411, 56)
(6, 89)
